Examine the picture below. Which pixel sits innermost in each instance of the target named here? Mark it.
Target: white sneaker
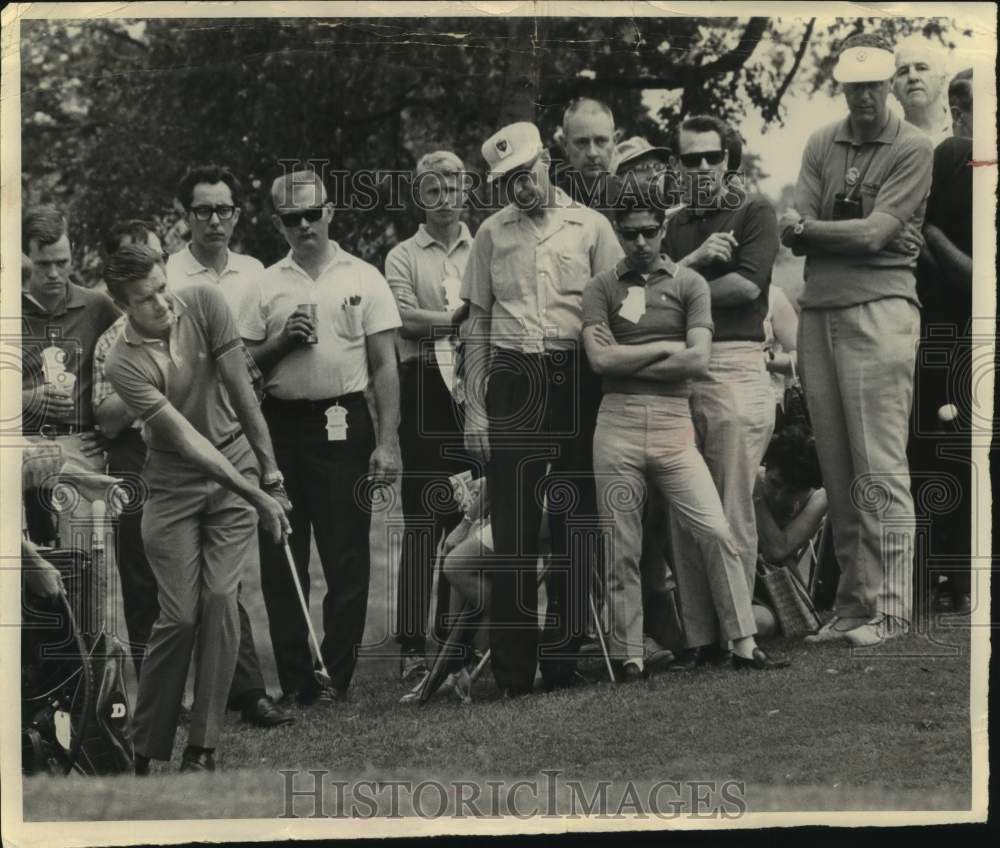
(876, 631)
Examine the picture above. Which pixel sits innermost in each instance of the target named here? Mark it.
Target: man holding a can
(318, 322)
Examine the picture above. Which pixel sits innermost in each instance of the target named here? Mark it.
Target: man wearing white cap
(524, 282)
(860, 201)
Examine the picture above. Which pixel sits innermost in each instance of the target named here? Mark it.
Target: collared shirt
(676, 300)
(353, 301)
(74, 328)
(753, 223)
(892, 174)
(238, 275)
(235, 280)
(182, 370)
(530, 276)
(422, 272)
(102, 388)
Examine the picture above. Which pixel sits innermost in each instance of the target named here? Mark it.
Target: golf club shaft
(305, 606)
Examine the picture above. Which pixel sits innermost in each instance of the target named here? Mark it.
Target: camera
(846, 208)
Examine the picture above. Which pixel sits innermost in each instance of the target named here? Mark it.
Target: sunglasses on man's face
(710, 157)
(631, 234)
(204, 213)
(293, 219)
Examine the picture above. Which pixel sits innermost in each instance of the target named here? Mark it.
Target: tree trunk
(523, 55)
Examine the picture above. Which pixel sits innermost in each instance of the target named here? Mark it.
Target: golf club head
(322, 678)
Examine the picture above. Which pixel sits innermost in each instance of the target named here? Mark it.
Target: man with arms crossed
(860, 201)
(731, 240)
(179, 366)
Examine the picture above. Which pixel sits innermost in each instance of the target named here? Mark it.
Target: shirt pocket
(572, 270)
(349, 320)
(508, 276)
(868, 194)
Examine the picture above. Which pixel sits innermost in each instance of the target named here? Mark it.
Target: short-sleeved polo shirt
(530, 276)
(74, 327)
(893, 175)
(754, 225)
(353, 301)
(420, 272)
(677, 300)
(239, 274)
(181, 371)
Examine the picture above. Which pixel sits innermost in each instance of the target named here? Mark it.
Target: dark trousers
(542, 409)
(325, 483)
(126, 456)
(431, 428)
(939, 452)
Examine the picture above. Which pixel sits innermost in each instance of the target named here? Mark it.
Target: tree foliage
(114, 110)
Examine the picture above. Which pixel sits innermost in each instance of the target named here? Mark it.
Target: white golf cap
(864, 64)
(510, 148)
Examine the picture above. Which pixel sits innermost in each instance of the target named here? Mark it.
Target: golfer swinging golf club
(179, 366)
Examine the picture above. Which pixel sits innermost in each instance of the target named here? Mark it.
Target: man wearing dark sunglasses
(319, 321)
(524, 283)
(731, 240)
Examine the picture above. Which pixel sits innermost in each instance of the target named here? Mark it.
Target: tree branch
(769, 110)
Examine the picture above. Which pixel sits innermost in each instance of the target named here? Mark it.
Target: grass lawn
(887, 729)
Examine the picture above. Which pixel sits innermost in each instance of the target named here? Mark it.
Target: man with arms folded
(648, 330)
(859, 202)
(318, 322)
(524, 282)
(179, 366)
(731, 240)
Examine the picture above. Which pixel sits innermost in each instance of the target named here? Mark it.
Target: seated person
(789, 498)
(462, 568)
(790, 505)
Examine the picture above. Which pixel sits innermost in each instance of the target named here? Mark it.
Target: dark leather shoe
(686, 660)
(714, 655)
(321, 695)
(760, 661)
(265, 713)
(202, 761)
(629, 673)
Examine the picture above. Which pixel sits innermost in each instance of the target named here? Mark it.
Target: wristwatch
(272, 479)
(800, 227)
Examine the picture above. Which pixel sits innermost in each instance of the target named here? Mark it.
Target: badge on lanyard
(852, 176)
(336, 424)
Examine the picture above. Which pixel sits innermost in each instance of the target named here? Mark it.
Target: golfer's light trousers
(197, 536)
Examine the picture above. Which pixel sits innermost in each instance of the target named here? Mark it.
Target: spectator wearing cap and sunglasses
(731, 239)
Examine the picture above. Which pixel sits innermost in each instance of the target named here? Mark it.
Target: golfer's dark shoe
(760, 661)
(141, 766)
(197, 761)
(265, 713)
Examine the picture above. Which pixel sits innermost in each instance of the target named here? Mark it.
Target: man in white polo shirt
(211, 198)
(318, 322)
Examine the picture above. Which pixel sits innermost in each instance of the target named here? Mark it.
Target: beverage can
(310, 309)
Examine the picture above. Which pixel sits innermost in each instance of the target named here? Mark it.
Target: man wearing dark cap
(860, 201)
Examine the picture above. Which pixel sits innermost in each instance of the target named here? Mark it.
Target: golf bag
(74, 706)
